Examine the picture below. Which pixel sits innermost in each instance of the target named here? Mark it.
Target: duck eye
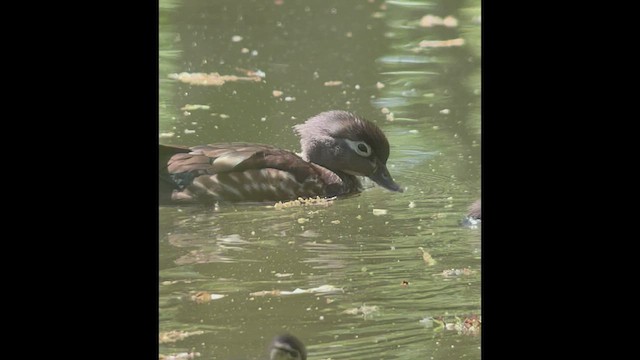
(360, 147)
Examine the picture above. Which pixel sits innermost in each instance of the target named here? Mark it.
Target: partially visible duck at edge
(474, 214)
(337, 146)
(288, 347)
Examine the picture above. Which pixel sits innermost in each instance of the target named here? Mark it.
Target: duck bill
(382, 177)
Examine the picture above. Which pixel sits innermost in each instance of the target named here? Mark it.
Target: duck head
(344, 142)
(287, 347)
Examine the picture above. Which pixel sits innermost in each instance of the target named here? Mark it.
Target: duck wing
(246, 172)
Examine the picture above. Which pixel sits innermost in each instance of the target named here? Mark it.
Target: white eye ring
(360, 147)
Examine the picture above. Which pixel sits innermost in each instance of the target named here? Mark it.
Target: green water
(427, 81)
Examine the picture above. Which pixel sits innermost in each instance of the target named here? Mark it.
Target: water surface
(418, 78)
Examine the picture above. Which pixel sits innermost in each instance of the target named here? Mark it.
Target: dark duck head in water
(287, 347)
(337, 146)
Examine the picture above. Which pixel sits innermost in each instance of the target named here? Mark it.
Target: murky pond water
(412, 67)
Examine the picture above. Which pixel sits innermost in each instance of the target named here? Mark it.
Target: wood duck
(336, 146)
(287, 347)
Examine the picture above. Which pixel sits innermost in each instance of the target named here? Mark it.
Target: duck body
(238, 172)
(337, 147)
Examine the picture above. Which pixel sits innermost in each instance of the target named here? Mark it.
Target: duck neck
(350, 183)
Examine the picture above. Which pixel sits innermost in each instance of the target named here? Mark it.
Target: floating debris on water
(236, 38)
(258, 73)
(211, 79)
(324, 289)
(303, 201)
(469, 325)
(427, 321)
(180, 356)
(427, 257)
(202, 297)
(441, 43)
(166, 135)
(378, 212)
(175, 335)
(457, 272)
(364, 310)
(279, 275)
(191, 107)
(333, 83)
(379, 85)
(431, 20)
(277, 93)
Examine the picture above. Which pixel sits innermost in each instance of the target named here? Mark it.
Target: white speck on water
(357, 87)
(289, 98)
(378, 212)
(187, 131)
(254, 52)
(445, 111)
(236, 38)
(263, 119)
(412, 204)
(413, 131)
